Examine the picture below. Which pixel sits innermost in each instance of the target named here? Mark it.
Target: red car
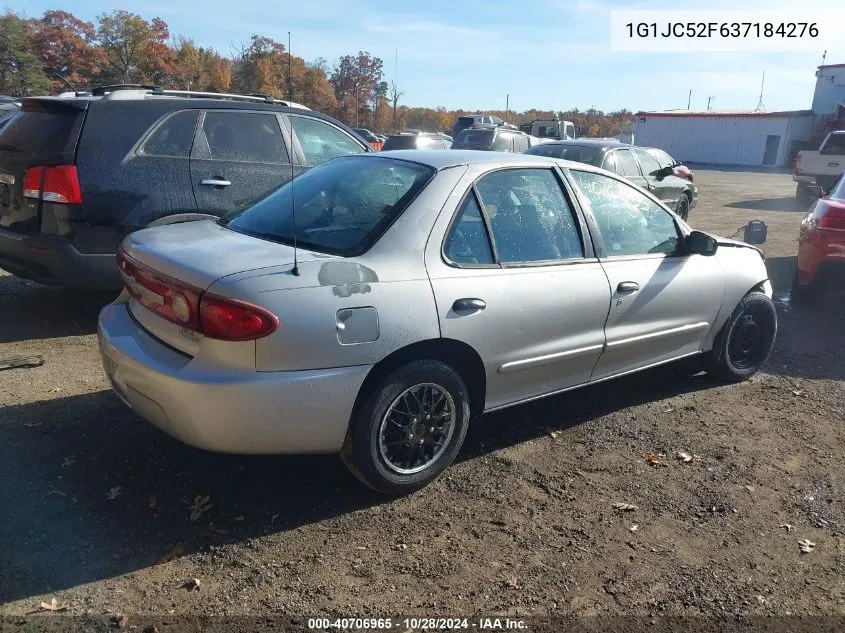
(821, 246)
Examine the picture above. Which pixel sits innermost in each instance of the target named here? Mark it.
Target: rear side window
(173, 137)
(467, 242)
(609, 162)
(627, 165)
(321, 142)
(40, 132)
(249, 137)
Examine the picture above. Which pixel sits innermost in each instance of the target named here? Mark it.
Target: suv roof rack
(99, 91)
(111, 92)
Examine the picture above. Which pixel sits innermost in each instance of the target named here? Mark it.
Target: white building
(829, 98)
(725, 137)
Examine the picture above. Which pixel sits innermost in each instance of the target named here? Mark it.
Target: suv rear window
(400, 142)
(474, 138)
(342, 206)
(40, 132)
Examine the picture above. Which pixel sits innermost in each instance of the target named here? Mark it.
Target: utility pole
(708, 101)
(760, 105)
(357, 109)
(507, 103)
(689, 100)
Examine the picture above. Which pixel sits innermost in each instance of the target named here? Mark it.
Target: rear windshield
(342, 206)
(578, 153)
(400, 142)
(475, 138)
(39, 132)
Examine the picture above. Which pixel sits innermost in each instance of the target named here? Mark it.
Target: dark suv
(496, 139)
(77, 174)
(415, 141)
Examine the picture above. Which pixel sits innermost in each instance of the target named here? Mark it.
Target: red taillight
(829, 215)
(32, 182)
(53, 184)
(170, 299)
(234, 320)
(797, 169)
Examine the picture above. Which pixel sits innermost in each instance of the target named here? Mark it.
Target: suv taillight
(53, 184)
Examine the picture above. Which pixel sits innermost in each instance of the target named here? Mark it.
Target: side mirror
(699, 243)
(663, 172)
(815, 190)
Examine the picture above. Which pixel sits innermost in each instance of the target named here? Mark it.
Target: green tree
(21, 73)
(123, 37)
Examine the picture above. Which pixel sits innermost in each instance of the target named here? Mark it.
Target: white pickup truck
(820, 168)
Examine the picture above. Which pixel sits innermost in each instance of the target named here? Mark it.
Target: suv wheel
(409, 429)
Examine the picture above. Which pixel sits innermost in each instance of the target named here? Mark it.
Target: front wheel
(746, 340)
(409, 429)
(682, 210)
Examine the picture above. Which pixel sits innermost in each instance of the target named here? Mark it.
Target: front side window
(342, 207)
(529, 216)
(173, 137)
(321, 142)
(629, 222)
(649, 165)
(250, 137)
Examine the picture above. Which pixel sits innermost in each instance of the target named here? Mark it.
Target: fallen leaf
(361, 547)
(554, 434)
(172, 553)
(192, 584)
(787, 526)
(402, 546)
(199, 506)
(806, 546)
(113, 494)
(669, 410)
(152, 502)
(624, 507)
(685, 457)
(798, 392)
(653, 459)
(53, 605)
(634, 528)
(56, 390)
(750, 488)
(68, 461)
(121, 620)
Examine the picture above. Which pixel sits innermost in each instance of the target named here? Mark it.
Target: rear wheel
(802, 194)
(409, 429)
(682, 210)
(746, 340)
(802, 293)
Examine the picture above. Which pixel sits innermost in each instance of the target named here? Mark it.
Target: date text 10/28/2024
(416, 624)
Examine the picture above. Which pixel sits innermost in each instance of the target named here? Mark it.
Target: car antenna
(65, 81)
(295, 270)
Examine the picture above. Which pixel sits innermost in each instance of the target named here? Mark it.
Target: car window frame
(202, 151)
(602, 254)
(299, 154)
(636, 152)
(590, 255)
(618, 151)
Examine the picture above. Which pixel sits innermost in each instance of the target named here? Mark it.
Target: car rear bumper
(804, 179)
(223, 409)
(52, 260)
(822, 261)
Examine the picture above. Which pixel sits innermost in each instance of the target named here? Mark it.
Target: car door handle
(468, 305)
(215, 182)
(628, 286)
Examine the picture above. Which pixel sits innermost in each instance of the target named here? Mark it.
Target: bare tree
(394, 95)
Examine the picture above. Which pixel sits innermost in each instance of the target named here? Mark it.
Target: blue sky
(548, 54)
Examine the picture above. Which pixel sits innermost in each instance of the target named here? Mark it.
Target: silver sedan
(411, 292)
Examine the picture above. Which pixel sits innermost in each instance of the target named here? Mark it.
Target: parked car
(374, 140)
(496, 139)
(821, 245)
(420, 140)
(78, 174)
(821, 168)
(552, 129)
(412, 291)
(634, 163)
(665, 160)
(478, 121)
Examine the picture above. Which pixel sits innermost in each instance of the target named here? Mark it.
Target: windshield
(342, 206)
(579, 153)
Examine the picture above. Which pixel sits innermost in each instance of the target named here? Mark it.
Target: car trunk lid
(43, 134)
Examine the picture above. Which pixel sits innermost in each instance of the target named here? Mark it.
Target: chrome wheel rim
(416, 429)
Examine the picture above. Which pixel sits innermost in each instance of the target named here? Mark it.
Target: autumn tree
(66, 47)
(123, 37)
(21, 73)
(355, 79)
(260, 67)
(394, 94)
(314, 90)
(155, 63)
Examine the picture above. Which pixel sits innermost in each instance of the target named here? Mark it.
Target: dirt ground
(108, 515)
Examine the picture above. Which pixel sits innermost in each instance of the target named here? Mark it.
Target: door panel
(238, 157)
(528, 302)
(664, 301)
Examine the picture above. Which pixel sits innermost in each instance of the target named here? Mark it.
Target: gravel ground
(107, 515)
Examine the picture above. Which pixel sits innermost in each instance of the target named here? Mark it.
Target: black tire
(363, 452)
(802, 293)
(682, 208)
(802, 194)
(744, 343)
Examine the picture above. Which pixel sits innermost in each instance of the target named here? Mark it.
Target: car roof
(446, 158)
(589, 142)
